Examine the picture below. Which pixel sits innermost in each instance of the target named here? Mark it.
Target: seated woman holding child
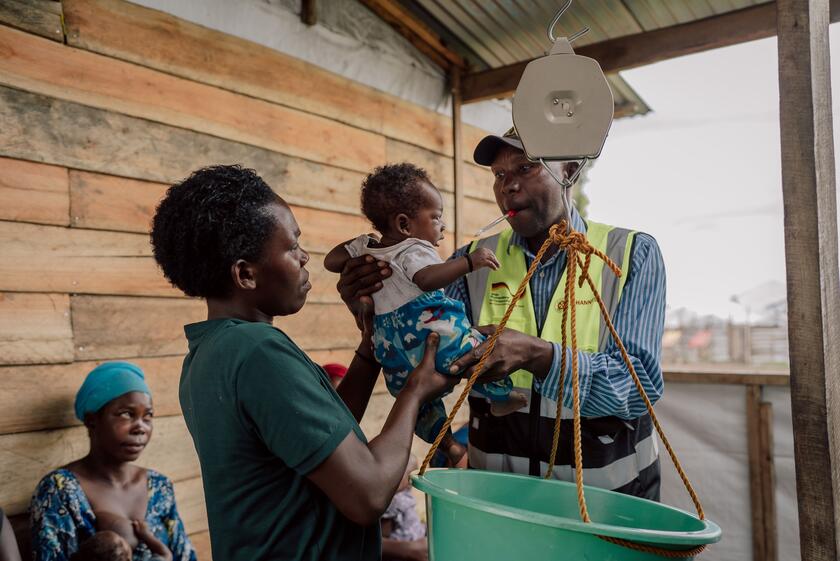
(103, 506)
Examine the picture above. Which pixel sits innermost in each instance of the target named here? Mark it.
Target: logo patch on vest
(501, 294)
(561, 305)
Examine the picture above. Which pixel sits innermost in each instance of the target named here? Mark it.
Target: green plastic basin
(478, 515)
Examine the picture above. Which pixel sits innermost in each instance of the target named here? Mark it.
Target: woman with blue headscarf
(71, 503)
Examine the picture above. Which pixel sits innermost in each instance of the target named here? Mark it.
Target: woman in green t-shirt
(287, 472)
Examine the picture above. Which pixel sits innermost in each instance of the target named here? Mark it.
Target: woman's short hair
(207, 222)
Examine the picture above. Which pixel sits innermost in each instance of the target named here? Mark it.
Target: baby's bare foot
(515, 402)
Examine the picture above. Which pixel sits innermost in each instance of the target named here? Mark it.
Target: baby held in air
(406, 209)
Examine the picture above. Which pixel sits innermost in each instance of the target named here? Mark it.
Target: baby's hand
(484, 257)
(144, 534)
(108, 521)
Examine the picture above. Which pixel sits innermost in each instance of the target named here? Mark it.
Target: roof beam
(416, 32)
(630, 51)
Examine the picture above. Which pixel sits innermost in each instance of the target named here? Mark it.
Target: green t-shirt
(263, 415)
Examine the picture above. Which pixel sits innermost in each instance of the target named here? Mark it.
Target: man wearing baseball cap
(620, 450)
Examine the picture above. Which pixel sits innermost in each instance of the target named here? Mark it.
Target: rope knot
(574, 242)
(560, 235)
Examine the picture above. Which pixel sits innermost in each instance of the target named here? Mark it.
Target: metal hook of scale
(557, 17)
(566, 183)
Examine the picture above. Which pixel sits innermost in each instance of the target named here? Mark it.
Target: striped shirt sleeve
(606, 386)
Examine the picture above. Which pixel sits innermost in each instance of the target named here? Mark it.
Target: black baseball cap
(490, 145)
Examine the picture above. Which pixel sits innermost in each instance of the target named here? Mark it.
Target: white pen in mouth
(496, 222)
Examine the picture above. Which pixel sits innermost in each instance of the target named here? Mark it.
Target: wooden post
(762, 475)
(754, 454)
(813, 290)
(457, 155)
(767, 470)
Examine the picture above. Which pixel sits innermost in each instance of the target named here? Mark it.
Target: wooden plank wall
(97, 120)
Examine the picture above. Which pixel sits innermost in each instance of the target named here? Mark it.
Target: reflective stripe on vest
(617, 450)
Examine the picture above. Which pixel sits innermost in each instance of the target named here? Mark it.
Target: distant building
(691, 338)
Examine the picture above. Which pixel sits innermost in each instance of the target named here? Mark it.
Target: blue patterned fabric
(606, 387)
(62, 518)
(399, 339)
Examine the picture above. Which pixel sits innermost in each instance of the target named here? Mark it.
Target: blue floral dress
(62, 518)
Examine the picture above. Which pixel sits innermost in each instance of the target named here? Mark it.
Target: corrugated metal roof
(503, 32)
(653, 14)
(496, 33)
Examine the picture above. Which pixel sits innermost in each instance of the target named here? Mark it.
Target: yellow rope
(649, 405)
(555, 440)
(670, 553)
(571, 269)
(575, 243)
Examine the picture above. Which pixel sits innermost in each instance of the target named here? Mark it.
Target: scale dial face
(563, 108)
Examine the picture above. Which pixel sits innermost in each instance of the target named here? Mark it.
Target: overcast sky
(702, 173)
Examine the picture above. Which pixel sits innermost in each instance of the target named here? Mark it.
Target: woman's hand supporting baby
(360, 277)
(426, 383)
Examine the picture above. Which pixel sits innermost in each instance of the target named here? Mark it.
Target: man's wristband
(469, 262)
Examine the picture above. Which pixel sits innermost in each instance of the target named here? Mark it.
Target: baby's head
(103, 546)
(401, 202)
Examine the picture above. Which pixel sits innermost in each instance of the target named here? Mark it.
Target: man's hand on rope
(514, 351)
(361, 277)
